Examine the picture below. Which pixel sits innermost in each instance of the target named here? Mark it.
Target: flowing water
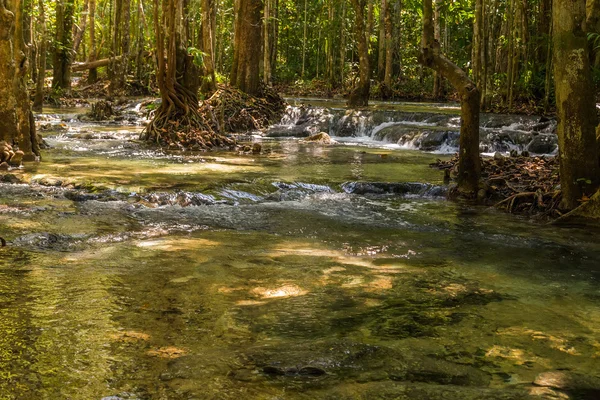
(132, 273)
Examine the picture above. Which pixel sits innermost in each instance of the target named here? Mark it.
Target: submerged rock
(583, 386)
(321, 137)
(402, 188)
(543, 144)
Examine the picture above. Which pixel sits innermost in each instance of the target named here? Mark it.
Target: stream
(297, 273)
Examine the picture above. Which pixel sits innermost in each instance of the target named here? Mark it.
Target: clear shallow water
(275, 291)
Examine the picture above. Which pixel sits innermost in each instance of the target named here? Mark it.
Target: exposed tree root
(178, 124)
(518, 185)
(231, 110)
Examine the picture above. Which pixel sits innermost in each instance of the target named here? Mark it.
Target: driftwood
(82, 66)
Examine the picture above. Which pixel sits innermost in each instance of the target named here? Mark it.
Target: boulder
(583, 386)
(543, 144)
(321, 137)
(17, 158)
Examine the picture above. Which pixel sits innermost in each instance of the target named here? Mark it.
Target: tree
(8, 117)
(209, 21)
(469, 165)
(177, 76)
(16, 118)
(360, 95)
(38, 101)
(245, 72)
(576, 113)
(62, 56)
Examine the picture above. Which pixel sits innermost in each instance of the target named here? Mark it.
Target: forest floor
(320, 88)
(519, 185)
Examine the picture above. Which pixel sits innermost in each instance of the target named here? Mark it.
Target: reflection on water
(306, 292)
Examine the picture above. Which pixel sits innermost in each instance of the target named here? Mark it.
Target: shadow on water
(221, 276)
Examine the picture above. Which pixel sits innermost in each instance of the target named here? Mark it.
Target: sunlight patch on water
(177, 244)
(279, 292)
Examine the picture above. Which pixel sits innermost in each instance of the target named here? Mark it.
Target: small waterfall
(434, 130)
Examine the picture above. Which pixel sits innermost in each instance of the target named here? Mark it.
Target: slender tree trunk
(304, 39)
(576, 112)
(343, 42)
(389, 49)
(469, 165)
(93, 74)
(381, 53)
(437, 36)
(360, 95)
(125, 42)
(476, 61)
(38, 101)
(80, 30)
(267, 43)
(209, 82)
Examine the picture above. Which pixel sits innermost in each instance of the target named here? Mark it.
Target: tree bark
(93, 74)
(62, 58)
(267, 43)
(8, 116)
(81, 28)
(382, 40)
(360, 95)
(209, 83)
(94, 64)
(469, 165)
(437, 35)
(26, 137)
(246, 68)
(38, 101)
(389, 49)
(576, 113)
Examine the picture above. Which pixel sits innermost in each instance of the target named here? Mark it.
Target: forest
(299, 199)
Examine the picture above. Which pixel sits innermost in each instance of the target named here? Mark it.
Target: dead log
(82, 66)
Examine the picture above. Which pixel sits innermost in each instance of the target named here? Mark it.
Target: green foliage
(198, 56)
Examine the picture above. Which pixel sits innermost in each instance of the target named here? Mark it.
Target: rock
(514, 153)
(321, 137)
(543, 144)
(256, 148)
(101, 110)
(524, 153)
(498, 156)
(584, 386)
(17, 158)
(4, 166)
(430, 370)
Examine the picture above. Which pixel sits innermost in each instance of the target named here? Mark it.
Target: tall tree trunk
(93, 74)
(209, 83)
(360, 95)
(26, 138)
(125, 42)
(246, 69)
(381, 50)
(576, 112)
(267, 43)
(304, 39)
(62, 57)
(8, 102)
(389, 49)
(343, 43)
(81, 28)
(476, 52)
(141, 63)
(469, 165)
(38, 101)
(437, 36)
